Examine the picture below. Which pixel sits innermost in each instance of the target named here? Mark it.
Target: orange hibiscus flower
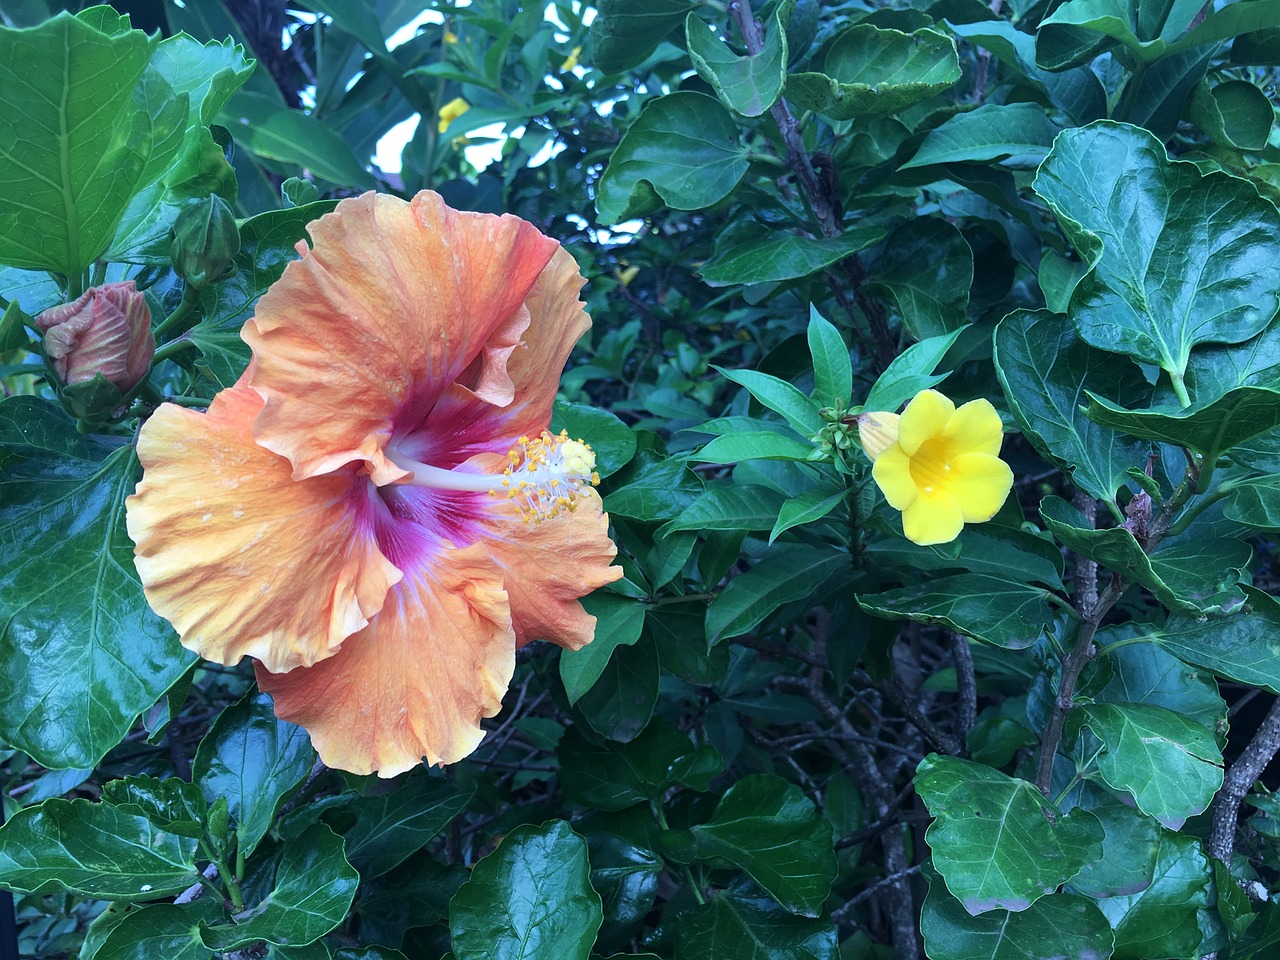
(375, 512)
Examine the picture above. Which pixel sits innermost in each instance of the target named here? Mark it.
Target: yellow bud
(877, 431)
(450, 37)
(451, 111)
(570, 61)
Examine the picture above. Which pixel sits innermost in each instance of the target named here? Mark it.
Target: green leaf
(612, 440)
(1143, 672)
(1197, 577)
(1239, 647)
(910, 372)
(313, 890)
(1043, 367)
(95, 123)
(253, 760)
(93, 849)
(867, 72)
(994, 131)
(1061, 925)
(1171, 766)
(83, 653)
(657, 490)
(619, 621)
(158, 930)
(996, 840)
(531, 899)
(1129, 849)
(795, 407)
(682, 151)
(620, 703)
(754, 446)
(810, 506)
(267, 246)
(1259, 48)
(744, 924)
(788, 572)
(1159, 282)
(1235, 113)
(772, 831)
(748, 85)
(1255, 503)
(1212, 429)
(172, 805)
(613, 776)
(926, 268)
(991, 609)
(832, 368)
(626, 32)
(732, 507)
(295, 138)
(760, 255)
(13, 333)
(625, 876)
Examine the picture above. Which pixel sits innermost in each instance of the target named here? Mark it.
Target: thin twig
(1239, 779)
(841, 914)
(966, 689)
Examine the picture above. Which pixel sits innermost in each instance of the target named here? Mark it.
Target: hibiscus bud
(106, 334)
(877, 431)
(204, 242)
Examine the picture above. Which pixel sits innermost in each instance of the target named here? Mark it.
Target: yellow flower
(450, 37)
(937, 464)
(451, 111)
(570, 61)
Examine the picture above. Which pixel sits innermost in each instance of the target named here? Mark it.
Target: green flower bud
(204, 241)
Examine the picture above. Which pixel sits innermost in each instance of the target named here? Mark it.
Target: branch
(1240, 777)
(966, 688)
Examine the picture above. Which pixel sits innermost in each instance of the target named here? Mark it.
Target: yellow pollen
(549, 471)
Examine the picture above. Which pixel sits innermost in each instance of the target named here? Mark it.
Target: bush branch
(1240, 777)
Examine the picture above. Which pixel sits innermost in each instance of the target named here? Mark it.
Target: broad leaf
(994, 131)
(612, 440)
(158, 930)
(626, 32)
(1234, 113)
(613, 776)
(996, 840)
(1239, 415)
(995, 610)
(172, 805)
(1044, 368)
(82, 652)
(1177, 258)
(1229, 646)
(730, 507)
(531, 899)
(619, 621)
(787, 572)
(253, 760)
(313, 890)
(748, 85)
(1143, 672)
(682, 151)
(868, 71)
(758, 254)
(1170, 765)
(1130, 845)
(771, 830)
(926, 267)
(744, 924)
(93, 849)
(625, 876)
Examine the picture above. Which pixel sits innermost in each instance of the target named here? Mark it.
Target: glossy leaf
(744, 924)
(996, 840)
(868, 71)
(927, 268)
(763, 256)
(531, 899)
(1234, 113)
(910, 372)
(1043, 367)
(625, 876)
(832, 368)
(788, 572)
(253, 760)
(612, 776)
(313, 890)
(612, 440)
(1143, 672)
(748, 85)
(992, 609)
(158, 930)
(83, 653)
(1178, 258)
(618, 623)
(295, 138)
(1244, 646)
(626, 32)
(994, 131)
(809, 507)
(1240, 414)
(93, 849)
(172, 805)
(1130, 845)
(682, 151)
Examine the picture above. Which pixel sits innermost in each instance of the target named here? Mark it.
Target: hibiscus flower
(376, 512)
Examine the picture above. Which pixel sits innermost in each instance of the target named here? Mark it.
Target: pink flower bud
(107, 330)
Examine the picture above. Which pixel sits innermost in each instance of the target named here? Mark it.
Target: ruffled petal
(356, 341)
(975, 427)
(240, 558)
(935, 519)
(980, 483)
(925, 416)
(418, 680)
(462, 425)
(547, 566)
(892, 474)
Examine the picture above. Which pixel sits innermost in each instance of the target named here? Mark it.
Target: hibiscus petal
(935, 519)
(547, 566)
(462, 425)
(924, 417)
(416, 682)
(892, 474)
(357, 340)
(240, 558)
(975, 427)
(980, 483)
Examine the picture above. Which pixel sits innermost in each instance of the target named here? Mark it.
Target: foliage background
(797, 734)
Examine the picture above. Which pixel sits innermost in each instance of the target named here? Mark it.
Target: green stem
(1206, 500)
(99, 274)
(239, 863)
(1130, 93)
(196, 402)
(190, 297)
(171, 348)
(1180, 389)
(685, 870)
(1063, 605)
(211, 887)
(75, 286)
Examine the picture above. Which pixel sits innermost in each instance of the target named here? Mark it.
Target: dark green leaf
(313, 891)
(295, 138)
(1235, 113)
(253, 760)
(625, 32)
(998, 842)
(1129, 849)
(656, 491)
(682, 151)
(832, 368)
(926, 268)
(994, 610)
(809, 507)
(1255, 503)
(762, 256)
(531, 899)
(612, 440)
(910, 372)
(93, 849)
(172, 805)
(625, 876)
(620, 703)
(755, 446)
(619, 621)
(787, 572)
(1212, 429)
(749, 85)
(733, 507)
(159, 930)
(1142, 672)
(1244, 646)
(992, 132)
(743, 924)
(612, 776)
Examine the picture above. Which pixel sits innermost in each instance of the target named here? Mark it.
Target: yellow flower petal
(975, 428)
(925, 416)
(877, 431)
(892, 474)
(980, 483)
(933, 519)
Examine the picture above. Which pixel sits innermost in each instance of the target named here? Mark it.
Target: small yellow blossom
(938, 464)
(571, 60)
(450, 37)
(451, 111)
(626, 276)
